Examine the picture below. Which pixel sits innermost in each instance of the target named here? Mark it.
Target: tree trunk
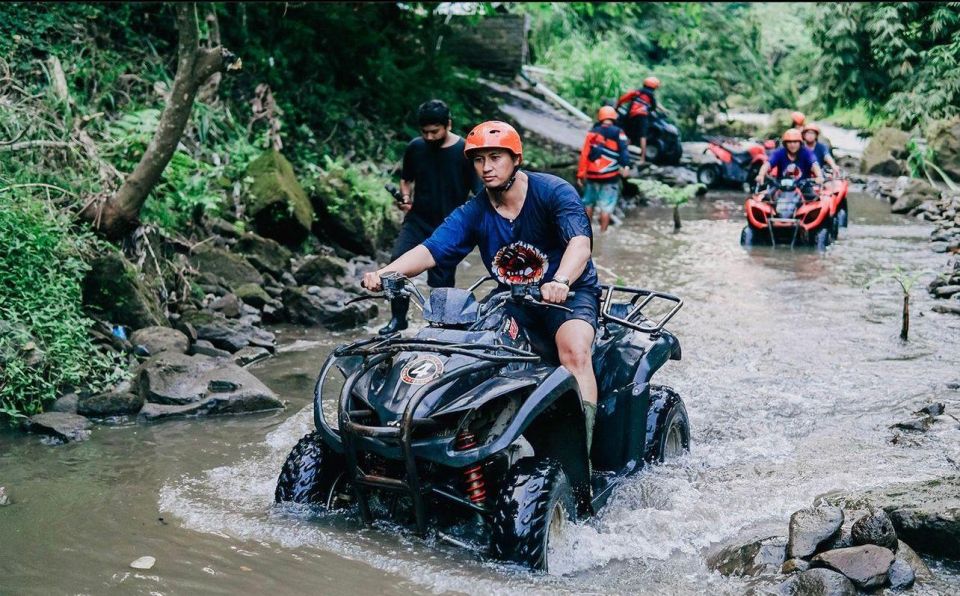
(118, 214)
(905, 326)
(676, 217)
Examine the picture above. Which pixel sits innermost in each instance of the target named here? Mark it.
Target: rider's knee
(575, 358)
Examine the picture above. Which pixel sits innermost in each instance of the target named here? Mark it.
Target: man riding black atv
(471, 402)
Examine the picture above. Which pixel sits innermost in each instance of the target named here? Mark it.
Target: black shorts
(637, 128)
(545, 321)
(413, 232)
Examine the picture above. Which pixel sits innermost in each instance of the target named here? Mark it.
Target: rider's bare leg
(574, 344)
(643, 149)
(604, 221)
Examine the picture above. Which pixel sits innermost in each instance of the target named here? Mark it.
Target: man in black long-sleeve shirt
(436, 179)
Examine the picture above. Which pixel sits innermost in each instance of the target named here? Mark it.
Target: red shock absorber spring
(475, 485)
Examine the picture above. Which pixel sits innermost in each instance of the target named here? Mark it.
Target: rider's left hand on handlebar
(371, 281)
(554, 292)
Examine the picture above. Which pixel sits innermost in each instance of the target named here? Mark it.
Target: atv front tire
(532, 507)
(710, 175)
(747, 236)
(822, 239)
(312, 474)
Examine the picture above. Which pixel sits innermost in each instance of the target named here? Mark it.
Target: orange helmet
(652, 82)
(812, 127)
(792, 134)
(606, 113)
(494, 134)
(798, 118)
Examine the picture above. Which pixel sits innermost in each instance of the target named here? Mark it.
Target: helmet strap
(499, 191)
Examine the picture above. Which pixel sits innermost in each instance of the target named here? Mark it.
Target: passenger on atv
(811, 140)
(797, 158)
(531, 229)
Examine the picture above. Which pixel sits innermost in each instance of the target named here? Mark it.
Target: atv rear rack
(641, 298)
(375, 351)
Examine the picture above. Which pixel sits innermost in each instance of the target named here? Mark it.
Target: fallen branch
(39, 184)
(34, 144)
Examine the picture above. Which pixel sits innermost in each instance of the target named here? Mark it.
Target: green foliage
(900, 60)
(44, 343)
(670, 195)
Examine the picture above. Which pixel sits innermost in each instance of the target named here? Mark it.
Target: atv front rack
(641, 298)
(352, 426)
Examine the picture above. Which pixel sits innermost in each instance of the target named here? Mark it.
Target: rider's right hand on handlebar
(371, 281)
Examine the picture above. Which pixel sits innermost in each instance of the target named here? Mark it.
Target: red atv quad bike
(786, 211)
(739, 162)
(834, 192)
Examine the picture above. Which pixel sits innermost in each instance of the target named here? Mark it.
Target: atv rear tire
(710, 175)
(532, 507)
(311, 474)
(672, 437)
(654, 150)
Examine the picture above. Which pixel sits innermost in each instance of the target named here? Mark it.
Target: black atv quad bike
(465, 423)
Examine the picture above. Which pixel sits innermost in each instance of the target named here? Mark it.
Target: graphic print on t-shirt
(519, 263)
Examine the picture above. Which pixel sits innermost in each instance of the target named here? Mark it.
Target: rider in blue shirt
(811, 140)
(531, 229)
(792, 153)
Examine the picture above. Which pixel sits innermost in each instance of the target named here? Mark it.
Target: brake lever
(535, 302)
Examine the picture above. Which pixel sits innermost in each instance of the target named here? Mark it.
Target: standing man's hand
(406, 205)
(579, 182)
(554, 292)
(624, 172)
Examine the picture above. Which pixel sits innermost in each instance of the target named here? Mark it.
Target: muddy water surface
(791, 373)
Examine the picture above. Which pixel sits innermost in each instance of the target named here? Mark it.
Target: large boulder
(192, 385)
(874, 528)
(943, 136)
(811, 529)
(908, 556)
(760, 556)
(926, 514)
(866, 565)
(160, 339)
(267, 255)
(253, 295)
(325, 306)
(910, 193)
(885, 152)
(61, 426)
(114, 289)
(321, 270)
(818, 582)
(228, 334)
(230, 269)
(111, 403)
(277, 203)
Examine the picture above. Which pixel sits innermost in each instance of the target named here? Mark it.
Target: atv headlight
(811, 216)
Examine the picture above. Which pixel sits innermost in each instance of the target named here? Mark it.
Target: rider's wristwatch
(561, 280)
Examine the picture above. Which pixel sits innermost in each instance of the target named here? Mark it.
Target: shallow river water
(791, 372)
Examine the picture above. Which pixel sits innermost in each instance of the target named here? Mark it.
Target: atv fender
(660, 406)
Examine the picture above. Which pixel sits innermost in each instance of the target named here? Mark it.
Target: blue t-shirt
(805, 160)
(527, 250)
(821, 151)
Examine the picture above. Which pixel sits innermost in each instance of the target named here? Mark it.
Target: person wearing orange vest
(634, 108)
(603, 160)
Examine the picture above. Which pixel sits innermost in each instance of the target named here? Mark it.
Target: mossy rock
(277, 203)
(885, 152)
(113, 289)
(267, 255)
(943, 137)
(321, 270)
(253, 295)
(233, 269)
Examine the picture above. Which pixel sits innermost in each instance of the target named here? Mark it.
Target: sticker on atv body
(422, 370)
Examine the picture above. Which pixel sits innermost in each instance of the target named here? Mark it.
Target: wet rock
(914, 424)
(114, 289)
(254, 295)
(194, 385)
(227, 268)
(793, 566)
(931, 410)
(754, 558)
(943, 137)
(267, 255)
(160, 339)
(228, 334)
(874, 528)
(186, 328)
(65, 403)
(326, 307)
(900, 575)
(911, 193)
(947, 291)
(947, 309)
(228, 305)
(114, 403)
(913, 560)
(61, 426)
(143, 563)
(812, 528)
(250, 355)
(321, 270)
(818, 582)
(222, 227)
(276, 201)
(4, 497)
(866, 565)
(205, 348)
(885, 152)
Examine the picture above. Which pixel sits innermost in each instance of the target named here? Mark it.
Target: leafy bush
(44, 343)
